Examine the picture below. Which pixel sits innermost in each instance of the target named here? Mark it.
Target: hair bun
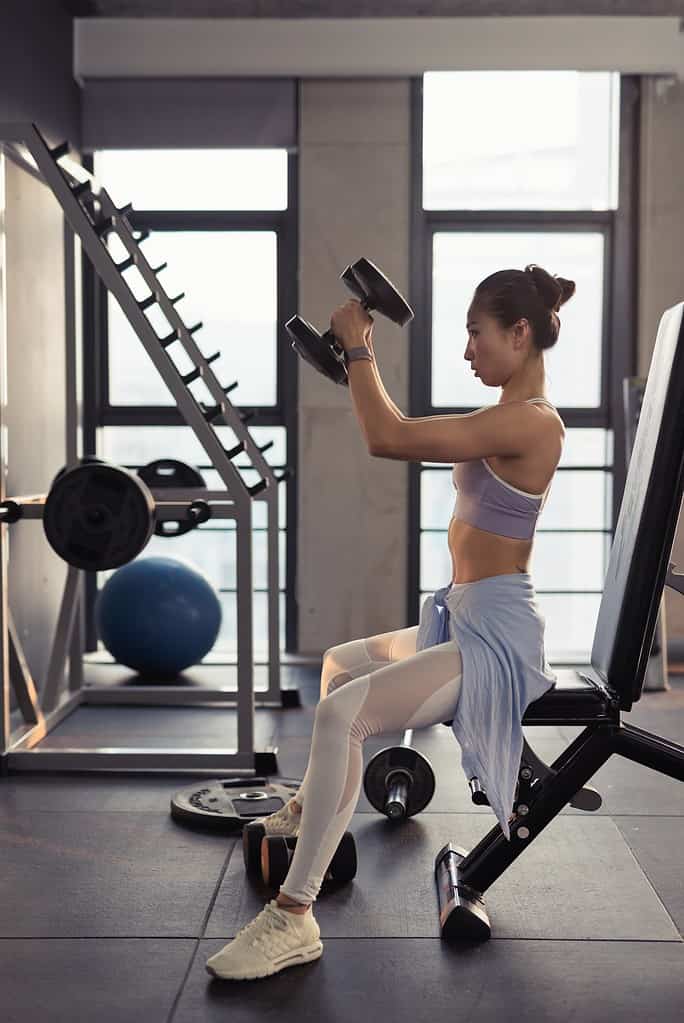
(553, 291)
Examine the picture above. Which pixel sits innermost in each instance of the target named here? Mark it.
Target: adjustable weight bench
(639, 568)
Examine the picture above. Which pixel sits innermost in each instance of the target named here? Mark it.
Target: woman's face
(490, 349)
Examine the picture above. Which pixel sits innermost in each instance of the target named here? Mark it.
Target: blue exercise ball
(158, 616)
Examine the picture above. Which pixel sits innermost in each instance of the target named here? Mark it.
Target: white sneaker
(283, 822)
(274, 940)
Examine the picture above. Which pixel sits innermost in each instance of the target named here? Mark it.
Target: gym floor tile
(581, 865)
(103, 979)
(79, 874)
(103, 793)
(109, 908)
(223, 676)
(409, 980)
(654, 842)
(91, 727)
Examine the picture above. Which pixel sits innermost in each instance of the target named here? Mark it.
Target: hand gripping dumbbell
(399, 781)
(375, 291)
(269, 856)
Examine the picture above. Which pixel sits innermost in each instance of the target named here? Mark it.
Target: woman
(477, 656)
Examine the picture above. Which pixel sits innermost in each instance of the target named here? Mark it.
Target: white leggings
(368, 686)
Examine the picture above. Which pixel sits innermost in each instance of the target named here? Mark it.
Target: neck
(530, 383)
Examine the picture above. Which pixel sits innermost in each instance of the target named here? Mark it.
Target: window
(223, 222)
(522, 168)
(461, 259)
(532, 140)
(195, 179)
(230, 279)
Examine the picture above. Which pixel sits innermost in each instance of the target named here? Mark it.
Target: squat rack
(90, 213)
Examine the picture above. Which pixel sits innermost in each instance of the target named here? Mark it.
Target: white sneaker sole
(297, 957)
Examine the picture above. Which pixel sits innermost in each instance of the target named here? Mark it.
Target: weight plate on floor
(226, 804)
(169, 472)
(98, 516)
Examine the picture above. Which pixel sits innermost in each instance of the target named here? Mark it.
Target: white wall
(36, 413)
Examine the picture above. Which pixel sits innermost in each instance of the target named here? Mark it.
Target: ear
(521, 332)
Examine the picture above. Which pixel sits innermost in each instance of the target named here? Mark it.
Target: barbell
(99, 516)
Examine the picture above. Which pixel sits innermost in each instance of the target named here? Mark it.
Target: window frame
(619, 336)
(98, 411)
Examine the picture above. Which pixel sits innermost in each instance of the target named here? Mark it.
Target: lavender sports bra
(487, 502)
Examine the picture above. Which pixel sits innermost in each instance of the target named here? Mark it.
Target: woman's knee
(345, 661)
(331, 673)
(341, 664)
(340, 708)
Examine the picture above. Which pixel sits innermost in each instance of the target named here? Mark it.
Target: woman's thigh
(348, 661)
(416, 692)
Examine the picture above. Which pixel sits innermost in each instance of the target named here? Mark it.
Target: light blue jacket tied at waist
(499, 630)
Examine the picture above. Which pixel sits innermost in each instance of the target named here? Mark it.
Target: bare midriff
(476, 554)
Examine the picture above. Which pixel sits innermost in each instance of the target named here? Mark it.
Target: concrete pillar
(353, 508)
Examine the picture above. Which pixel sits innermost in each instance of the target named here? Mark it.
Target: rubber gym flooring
(109, 908)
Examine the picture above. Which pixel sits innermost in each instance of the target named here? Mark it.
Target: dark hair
(509, 295)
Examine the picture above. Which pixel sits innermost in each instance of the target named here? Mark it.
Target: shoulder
(508, 430)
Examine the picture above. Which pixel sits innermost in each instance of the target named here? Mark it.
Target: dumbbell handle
(330, 338)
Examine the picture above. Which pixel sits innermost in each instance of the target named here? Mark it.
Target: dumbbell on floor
(399, 781)
(277, 852)
(268, 856)
(375, 291)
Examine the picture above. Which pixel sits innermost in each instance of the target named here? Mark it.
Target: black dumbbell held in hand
(399, 781)
(367, 283)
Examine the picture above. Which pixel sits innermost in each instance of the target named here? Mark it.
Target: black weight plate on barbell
(406, 761)
(226, 804)
(85, 460)
(169, 472)
(98, 516)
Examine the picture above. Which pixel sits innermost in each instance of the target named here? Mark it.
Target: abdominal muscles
(476, 554)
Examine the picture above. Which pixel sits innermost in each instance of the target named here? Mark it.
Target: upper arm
(511, 429)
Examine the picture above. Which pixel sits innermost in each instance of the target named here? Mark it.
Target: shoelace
(283, 814)
(272, 920)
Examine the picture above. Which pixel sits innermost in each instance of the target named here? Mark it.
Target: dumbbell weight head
(374, 291)
(277, 852)
(365, 280)
(323, 353)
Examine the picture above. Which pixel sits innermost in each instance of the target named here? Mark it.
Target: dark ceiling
(365, 8)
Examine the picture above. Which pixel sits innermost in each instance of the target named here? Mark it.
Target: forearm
(376, 414)
(397, 411)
